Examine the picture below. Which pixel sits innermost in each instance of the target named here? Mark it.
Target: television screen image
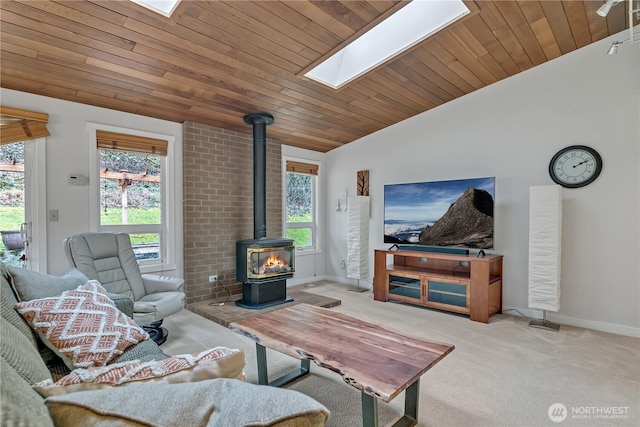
(454, 213)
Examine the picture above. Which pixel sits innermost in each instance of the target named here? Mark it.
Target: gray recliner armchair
(109, 259)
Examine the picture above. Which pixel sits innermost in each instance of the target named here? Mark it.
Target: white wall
(67, 153)
(309, 263)
(511, 130)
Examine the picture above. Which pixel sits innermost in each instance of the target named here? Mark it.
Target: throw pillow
(21, 354)
(217, 402)
(29, 285)
(82, 326)
(219, 362)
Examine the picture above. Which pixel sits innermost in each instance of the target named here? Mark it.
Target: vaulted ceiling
(213, 62)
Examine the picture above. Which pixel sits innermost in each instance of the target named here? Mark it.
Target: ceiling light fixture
(604, 10)
(405, 28)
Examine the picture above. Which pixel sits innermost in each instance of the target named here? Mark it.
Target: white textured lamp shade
(358, 237)
(545, 232)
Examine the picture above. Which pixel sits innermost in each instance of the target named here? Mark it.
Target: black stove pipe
(260, 121)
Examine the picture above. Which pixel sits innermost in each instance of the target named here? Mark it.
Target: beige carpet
(501, 374)
(229, 312)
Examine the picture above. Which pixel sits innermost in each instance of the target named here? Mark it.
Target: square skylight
(163, 7)
(400, 31)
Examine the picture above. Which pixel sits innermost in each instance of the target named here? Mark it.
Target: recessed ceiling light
(400, 31)
(163, 7)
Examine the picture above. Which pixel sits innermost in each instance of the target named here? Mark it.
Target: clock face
(575, 166)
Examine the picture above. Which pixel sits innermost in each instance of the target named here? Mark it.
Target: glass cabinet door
(453, 294)
(404, 288)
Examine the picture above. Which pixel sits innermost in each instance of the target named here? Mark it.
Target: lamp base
(544, 324)
(358, 288)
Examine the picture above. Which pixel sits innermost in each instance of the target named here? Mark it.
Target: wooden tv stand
(459, 283)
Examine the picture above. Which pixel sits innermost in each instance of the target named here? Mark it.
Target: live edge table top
(377, 361)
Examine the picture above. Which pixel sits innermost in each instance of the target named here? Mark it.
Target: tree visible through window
(12, 198)
(131, 192)
(300, 196)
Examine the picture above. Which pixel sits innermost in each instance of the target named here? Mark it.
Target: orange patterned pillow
(83, 326)
(219, 362)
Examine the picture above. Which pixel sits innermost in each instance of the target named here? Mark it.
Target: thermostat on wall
(78, 180)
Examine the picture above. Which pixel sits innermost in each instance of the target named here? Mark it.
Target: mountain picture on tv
(441, 213)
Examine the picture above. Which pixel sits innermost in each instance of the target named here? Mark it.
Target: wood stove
(262, 264)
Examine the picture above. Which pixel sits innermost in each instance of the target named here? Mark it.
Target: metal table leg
(261, 355)
(369, 411)
(411, 400)
(263, 375)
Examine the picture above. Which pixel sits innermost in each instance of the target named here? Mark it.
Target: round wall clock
(575, 166)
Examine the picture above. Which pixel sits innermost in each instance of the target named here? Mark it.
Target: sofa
(208, 392)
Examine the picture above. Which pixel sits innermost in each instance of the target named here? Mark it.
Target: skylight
(406, 27)
(163, 7)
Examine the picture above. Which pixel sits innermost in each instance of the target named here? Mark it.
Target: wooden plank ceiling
(213, 62)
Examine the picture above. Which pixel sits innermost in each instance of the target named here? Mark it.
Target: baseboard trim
(364, 283)
(304, 280)
(613, 328)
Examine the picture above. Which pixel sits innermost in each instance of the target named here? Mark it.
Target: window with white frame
(23, 187)
(132, 195)
(300, 203)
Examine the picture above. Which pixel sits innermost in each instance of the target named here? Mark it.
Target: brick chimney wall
(218, 204)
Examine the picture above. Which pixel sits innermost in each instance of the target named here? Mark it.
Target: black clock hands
(581, 163)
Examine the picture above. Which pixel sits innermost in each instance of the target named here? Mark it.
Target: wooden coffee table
(379, 362)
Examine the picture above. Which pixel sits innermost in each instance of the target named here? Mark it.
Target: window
(12, 211)
(163, 7)
(132, 192)
(23, 187)
(300, 203)
(22, 210)
(405, 28)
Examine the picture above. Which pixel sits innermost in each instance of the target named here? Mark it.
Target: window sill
(307, 252)
(157, 268)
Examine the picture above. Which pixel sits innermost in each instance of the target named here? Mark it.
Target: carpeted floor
(504, 373)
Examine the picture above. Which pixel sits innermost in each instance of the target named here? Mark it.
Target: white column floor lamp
(545, 233)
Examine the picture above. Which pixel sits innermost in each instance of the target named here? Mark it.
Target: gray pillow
(29, 285)
(20, 405)
(7, 302)
(216, 402)
(21, 354)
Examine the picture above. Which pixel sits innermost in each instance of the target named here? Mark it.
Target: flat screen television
(454, 213)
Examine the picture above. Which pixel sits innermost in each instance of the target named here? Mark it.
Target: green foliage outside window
(299, 195)
(12, 183)
(299, 206)
(11, 195)
(113, 216)
(301, 237)
(140, 194)
(143, 197)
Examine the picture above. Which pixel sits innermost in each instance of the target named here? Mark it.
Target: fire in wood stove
(268, 261)
(273, 264)
(264, 260)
